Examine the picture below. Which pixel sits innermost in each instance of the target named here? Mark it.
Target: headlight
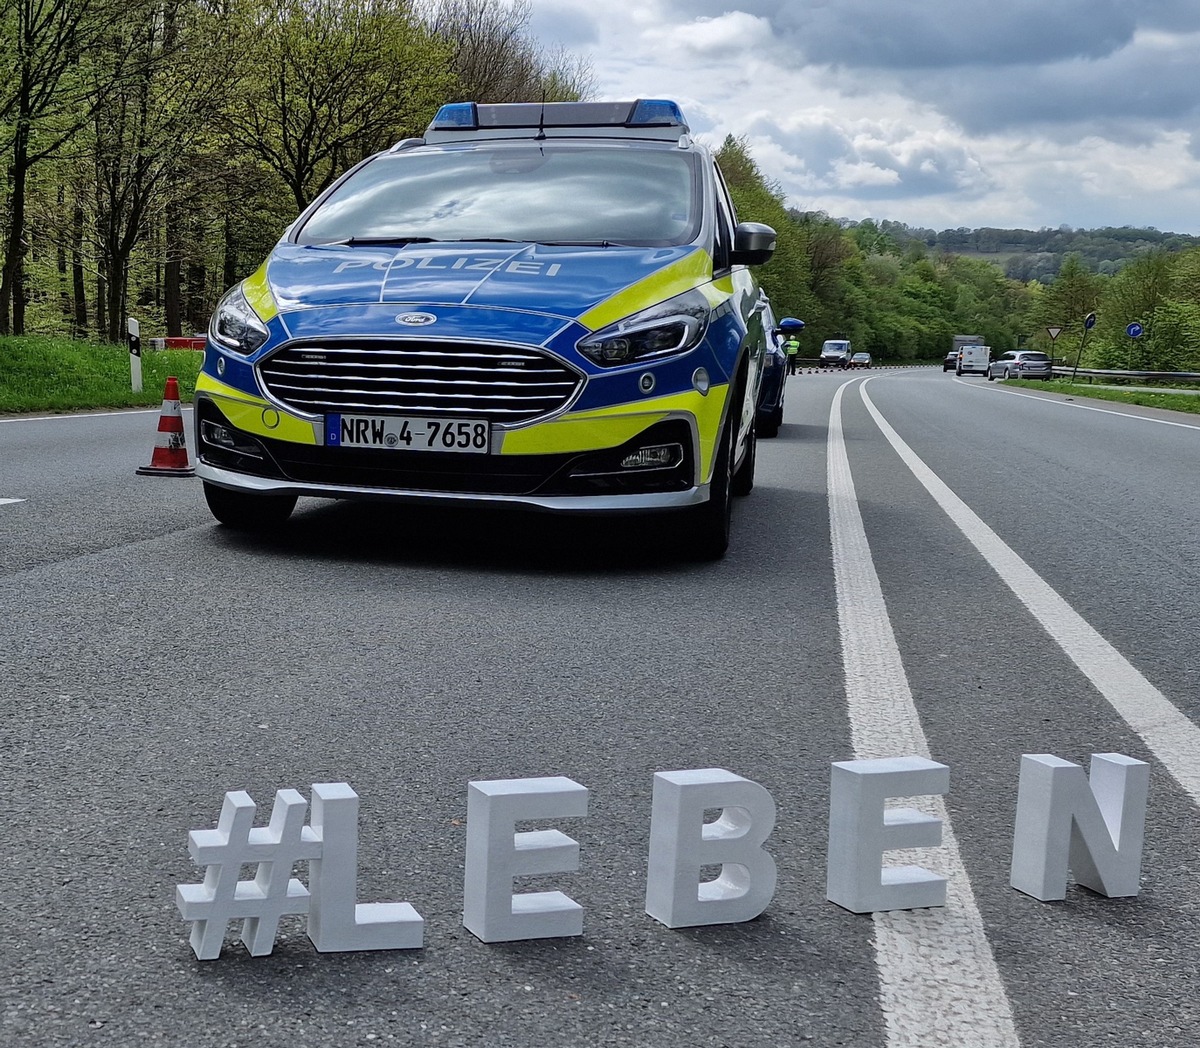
(671, 327)
(235, 325)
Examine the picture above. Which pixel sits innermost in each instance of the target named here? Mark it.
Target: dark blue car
(774, 376)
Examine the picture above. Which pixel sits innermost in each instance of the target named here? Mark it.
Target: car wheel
(958, 372)
(743, 476)
(770, 428)
(991, 377)
(1006, 373)
(248, 511)
(707, 534)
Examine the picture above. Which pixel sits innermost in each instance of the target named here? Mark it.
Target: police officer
(791, 347)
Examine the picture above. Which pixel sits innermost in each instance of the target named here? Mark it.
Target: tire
(958, 372)
(991, 377)
(248, 511)
(706, 534)
(770, 428)
(1006, 374)
(743, 476)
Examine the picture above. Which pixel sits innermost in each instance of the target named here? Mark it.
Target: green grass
(53, 374)
(1168, 399)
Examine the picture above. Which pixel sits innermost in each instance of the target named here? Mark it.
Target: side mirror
(753, 244)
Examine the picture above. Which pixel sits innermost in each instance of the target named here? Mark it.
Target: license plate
(408, 433)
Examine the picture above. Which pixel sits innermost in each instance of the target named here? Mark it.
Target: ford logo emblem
(416, 319)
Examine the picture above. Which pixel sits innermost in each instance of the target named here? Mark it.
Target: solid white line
(938, 980)
(1086, 407)
(9, 502)
(98, 414)
(1172, 737)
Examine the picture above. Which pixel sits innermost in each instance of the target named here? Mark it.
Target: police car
(545, 305)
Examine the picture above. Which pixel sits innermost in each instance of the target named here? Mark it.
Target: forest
(154, 150)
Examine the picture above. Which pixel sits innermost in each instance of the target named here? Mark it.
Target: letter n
(1093, 828)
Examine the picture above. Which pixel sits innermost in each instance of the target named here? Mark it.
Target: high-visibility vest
(791, 347)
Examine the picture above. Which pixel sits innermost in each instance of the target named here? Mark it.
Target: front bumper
(590, 480)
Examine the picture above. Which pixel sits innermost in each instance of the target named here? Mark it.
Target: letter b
(681, 842)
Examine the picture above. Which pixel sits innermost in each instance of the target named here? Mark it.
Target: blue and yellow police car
(541, 304)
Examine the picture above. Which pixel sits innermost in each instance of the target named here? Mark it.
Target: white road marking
(939, 984)
(9, 502)
(97, 414)
(1088, 407)
(1170, 735)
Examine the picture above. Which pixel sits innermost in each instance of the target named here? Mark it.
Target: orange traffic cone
(170, 458)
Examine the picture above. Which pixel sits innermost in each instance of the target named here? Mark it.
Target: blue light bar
(653, 118)
(456, 116)
(656, 112)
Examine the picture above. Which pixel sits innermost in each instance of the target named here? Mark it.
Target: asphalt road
(151, 661)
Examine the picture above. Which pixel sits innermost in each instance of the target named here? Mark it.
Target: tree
(172, 86)
(1074, 294)
(785, 277)
(331, 82)
(495, 59)
(47, 102)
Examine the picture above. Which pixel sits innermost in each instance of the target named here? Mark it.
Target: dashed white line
(1170, 735)
(939, 984)
(9, 502)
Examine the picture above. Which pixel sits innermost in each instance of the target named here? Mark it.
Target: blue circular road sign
(1134, 329)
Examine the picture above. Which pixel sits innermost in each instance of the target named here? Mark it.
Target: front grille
(504, 384)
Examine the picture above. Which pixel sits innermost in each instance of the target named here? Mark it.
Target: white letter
(336, 922)
(681, 842)
(1096, 829)
(496, 854)
(353, 264)
(861, 830)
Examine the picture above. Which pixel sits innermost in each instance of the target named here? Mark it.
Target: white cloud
(1028, 114)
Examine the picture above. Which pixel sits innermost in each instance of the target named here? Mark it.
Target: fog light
(657, 456)
(222, 437)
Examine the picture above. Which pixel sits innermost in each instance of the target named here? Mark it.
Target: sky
(1021, 114)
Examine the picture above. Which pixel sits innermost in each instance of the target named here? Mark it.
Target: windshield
(527, 192)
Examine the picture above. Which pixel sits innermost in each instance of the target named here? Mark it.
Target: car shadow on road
(800, 431)
(496, 538)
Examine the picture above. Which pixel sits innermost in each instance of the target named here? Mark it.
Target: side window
(726, 221)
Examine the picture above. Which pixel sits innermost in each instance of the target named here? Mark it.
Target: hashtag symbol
(259, 903)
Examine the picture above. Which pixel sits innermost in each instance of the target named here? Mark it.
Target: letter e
(496, 854)
(862, 828)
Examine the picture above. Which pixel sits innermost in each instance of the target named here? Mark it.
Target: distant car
(835, 352)
(951, 361)
(1021, 363)
(860, 360)
(973, 359)
(769, 415)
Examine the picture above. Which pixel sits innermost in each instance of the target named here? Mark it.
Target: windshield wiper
(381, 241)
(578, 243)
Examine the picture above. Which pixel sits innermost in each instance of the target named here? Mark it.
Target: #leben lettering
(1066, 821)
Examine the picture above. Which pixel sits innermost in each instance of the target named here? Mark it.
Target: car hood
(563, 281)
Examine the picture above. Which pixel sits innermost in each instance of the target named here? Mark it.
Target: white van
(973, 360)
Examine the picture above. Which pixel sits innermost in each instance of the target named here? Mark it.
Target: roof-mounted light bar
(644, 118)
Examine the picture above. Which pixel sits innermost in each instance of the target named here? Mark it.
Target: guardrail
(1091, 374)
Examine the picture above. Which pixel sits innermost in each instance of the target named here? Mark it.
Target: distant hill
(1026, 254)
